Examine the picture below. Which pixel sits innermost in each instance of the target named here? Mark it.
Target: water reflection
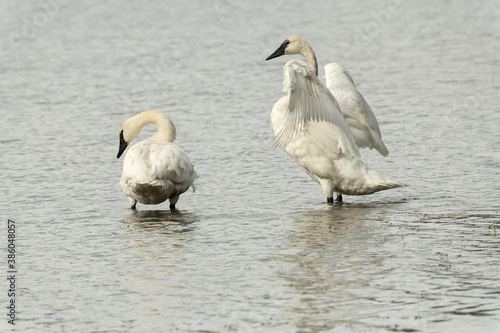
(156, 244)
(334, 253)
(161, 221)
(334, 229)
(157, 237)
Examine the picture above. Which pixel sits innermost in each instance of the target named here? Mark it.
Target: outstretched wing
(359, 116)
(310, 101)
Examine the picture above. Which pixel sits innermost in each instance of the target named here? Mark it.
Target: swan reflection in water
(330, 258)
(157, 237)
(161, 221)
(154, 249)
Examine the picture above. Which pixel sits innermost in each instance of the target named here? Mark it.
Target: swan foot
(329, 201)
(339, 198)
(172, 207)
(133, 202)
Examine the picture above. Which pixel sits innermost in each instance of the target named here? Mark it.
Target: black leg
(339, 198)
(172, 207)
(329, 201)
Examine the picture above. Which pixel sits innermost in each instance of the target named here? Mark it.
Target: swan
(310, 127)
(155, 169)
(357, 113)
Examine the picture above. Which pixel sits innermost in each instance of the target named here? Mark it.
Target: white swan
(155, 169)
(357, 113)
(309, 126)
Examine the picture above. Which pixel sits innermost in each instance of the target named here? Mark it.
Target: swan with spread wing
(309, 125)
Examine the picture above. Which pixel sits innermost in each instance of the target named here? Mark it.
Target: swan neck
(308, 53)
(166, 128)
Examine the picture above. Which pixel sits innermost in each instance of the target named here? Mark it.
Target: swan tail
(359, 179)
(148, 192)
(375, 181)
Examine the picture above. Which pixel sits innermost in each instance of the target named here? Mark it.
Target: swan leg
(327, 186)
(133, 202)
(339, 197)
(173, 201)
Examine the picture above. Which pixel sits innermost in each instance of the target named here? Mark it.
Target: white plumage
(357, 113)
(309, 125)
(155, 169)
(311, 101)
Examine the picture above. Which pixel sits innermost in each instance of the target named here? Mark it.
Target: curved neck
(311, 60)
(166, 128)
(308, 53)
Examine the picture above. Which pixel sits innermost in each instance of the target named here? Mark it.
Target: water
(255, 248)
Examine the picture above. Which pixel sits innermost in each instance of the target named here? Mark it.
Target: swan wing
(170, 162)
(310, 101)
(358, 115)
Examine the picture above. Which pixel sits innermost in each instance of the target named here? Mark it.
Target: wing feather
(359, 116)
(310, 101)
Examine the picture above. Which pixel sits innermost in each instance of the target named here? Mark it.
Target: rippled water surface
(255, 248)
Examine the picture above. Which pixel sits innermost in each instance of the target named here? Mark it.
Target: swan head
(128, 131)
(123, 145)
(127, 134)
(297, 45)
(131, 127)
(291, 45)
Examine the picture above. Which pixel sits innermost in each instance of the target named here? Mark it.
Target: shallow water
(255, 248)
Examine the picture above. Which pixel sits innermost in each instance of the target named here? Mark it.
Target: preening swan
(155, 169)
(309, 126)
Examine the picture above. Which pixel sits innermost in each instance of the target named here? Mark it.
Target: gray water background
(255, 248)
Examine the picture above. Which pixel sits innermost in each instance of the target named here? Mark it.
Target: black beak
(123, 145)
(279, 52)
